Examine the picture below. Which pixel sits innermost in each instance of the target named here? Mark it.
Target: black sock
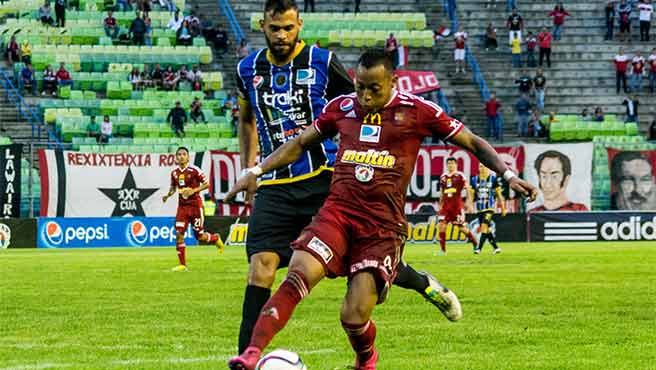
(408, 278)
(254, 299)
(481, 242)
(493, 241)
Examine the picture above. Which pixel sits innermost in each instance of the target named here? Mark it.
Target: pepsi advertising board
(62, 232)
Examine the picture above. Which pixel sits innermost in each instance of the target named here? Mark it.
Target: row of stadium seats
(5, 140)
(570, 128)
(359, 21)
(416, 39)
(27, 7)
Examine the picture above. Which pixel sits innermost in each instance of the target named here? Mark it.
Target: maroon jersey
(451, 187)
(377, 153)
(188, 177)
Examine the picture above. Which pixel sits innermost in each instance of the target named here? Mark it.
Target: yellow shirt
(516, 47)
(26, 49)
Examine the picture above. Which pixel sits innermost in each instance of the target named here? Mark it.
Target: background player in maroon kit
(452, 208)
(361, 229)
(189, 180)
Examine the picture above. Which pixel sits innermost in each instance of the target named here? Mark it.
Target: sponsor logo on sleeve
(346, 105)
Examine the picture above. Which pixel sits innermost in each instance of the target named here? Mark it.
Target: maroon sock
(472, 238)
(279, 308)
(362, 338)
(181, 253)
(443, 240)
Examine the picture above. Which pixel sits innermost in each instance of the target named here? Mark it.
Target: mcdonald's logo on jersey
(373, 118)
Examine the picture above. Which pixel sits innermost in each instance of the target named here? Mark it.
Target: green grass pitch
(565, 306)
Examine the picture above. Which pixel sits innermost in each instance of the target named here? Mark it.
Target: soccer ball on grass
(281, 359)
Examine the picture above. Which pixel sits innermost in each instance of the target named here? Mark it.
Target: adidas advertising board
(592, 226)
(72, 232)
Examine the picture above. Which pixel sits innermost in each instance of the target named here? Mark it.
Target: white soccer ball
(281, 359)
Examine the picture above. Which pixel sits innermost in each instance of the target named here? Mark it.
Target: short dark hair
(279, 6)
(182, 148)
(619, 159)
(374, 57)
(564, 161)
(451, 159)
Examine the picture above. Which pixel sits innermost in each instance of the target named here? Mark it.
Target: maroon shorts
(455, 217)
(189, 215)
(345, 245)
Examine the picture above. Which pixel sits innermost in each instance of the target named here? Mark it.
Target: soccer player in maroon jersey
(189, 180)
(452, 208)
(361, 229)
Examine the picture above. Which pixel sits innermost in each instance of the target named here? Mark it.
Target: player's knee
(360, 299)
(262, 269)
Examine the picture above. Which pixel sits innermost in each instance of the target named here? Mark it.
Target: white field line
(38, 367)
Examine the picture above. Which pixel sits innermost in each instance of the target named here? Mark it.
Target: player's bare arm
(287, 153)
(247, 139)
(490, 158)
(169, 194)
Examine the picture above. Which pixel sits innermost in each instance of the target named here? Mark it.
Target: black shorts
(485, 217)
(281, 212)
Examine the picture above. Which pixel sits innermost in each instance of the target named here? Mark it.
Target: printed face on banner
(562, 174)
(633, 182)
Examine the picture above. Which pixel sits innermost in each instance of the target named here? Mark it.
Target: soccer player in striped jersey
(485, 192)
(282, 90)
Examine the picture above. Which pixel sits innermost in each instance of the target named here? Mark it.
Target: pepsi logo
(53, 233)
(257, 81)
(138, 232)
(346, 104)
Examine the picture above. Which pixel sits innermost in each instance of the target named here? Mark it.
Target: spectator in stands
(545, 38)
(123, 5)
(651, 133)
(631, 104)
(598, 115)
(611, 13)
(63, 77)
(170, 79)
(49, 81)
(111, 26)
(60, 12)
(646, 9)
(106, 129)
(515, 26)
(175, 22)
(27, 78)
(138, 30)
(93, 128)
(145, 5)
(392, 48)
(357, 7)
(536, 127)
(177, 117)
(621, 62)
(194, 23)
(585, 115)
(26, 52)
(45, 14)
(624, 11)
(523, 109)
(539, 83)
(135, 79)
(490, 37)
(13, 51)
(637, 69)
(243, 49)
(220, 40)
(148, 36)
(531, 44)
(558, 14)
(184, 75)
(184, 36)
(651, 62)
(167, 4)
(310, 3)
(459, 50)
(196, 110)
(516, 52)
(157, 75)
(525, 83)
(492, 109)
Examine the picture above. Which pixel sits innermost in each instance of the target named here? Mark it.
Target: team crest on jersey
(257, 81)
(364, 173)
(280, 79)
(306, 76)
(399, 117)
(346, 105)
(370, 133)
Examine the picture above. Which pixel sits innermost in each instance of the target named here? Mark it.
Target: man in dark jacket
(138, 30)
(177, 117)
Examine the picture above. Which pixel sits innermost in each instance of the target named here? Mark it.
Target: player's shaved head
(374, 80)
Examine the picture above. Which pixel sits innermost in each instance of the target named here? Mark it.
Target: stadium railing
(25, 110)
(226, 9)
